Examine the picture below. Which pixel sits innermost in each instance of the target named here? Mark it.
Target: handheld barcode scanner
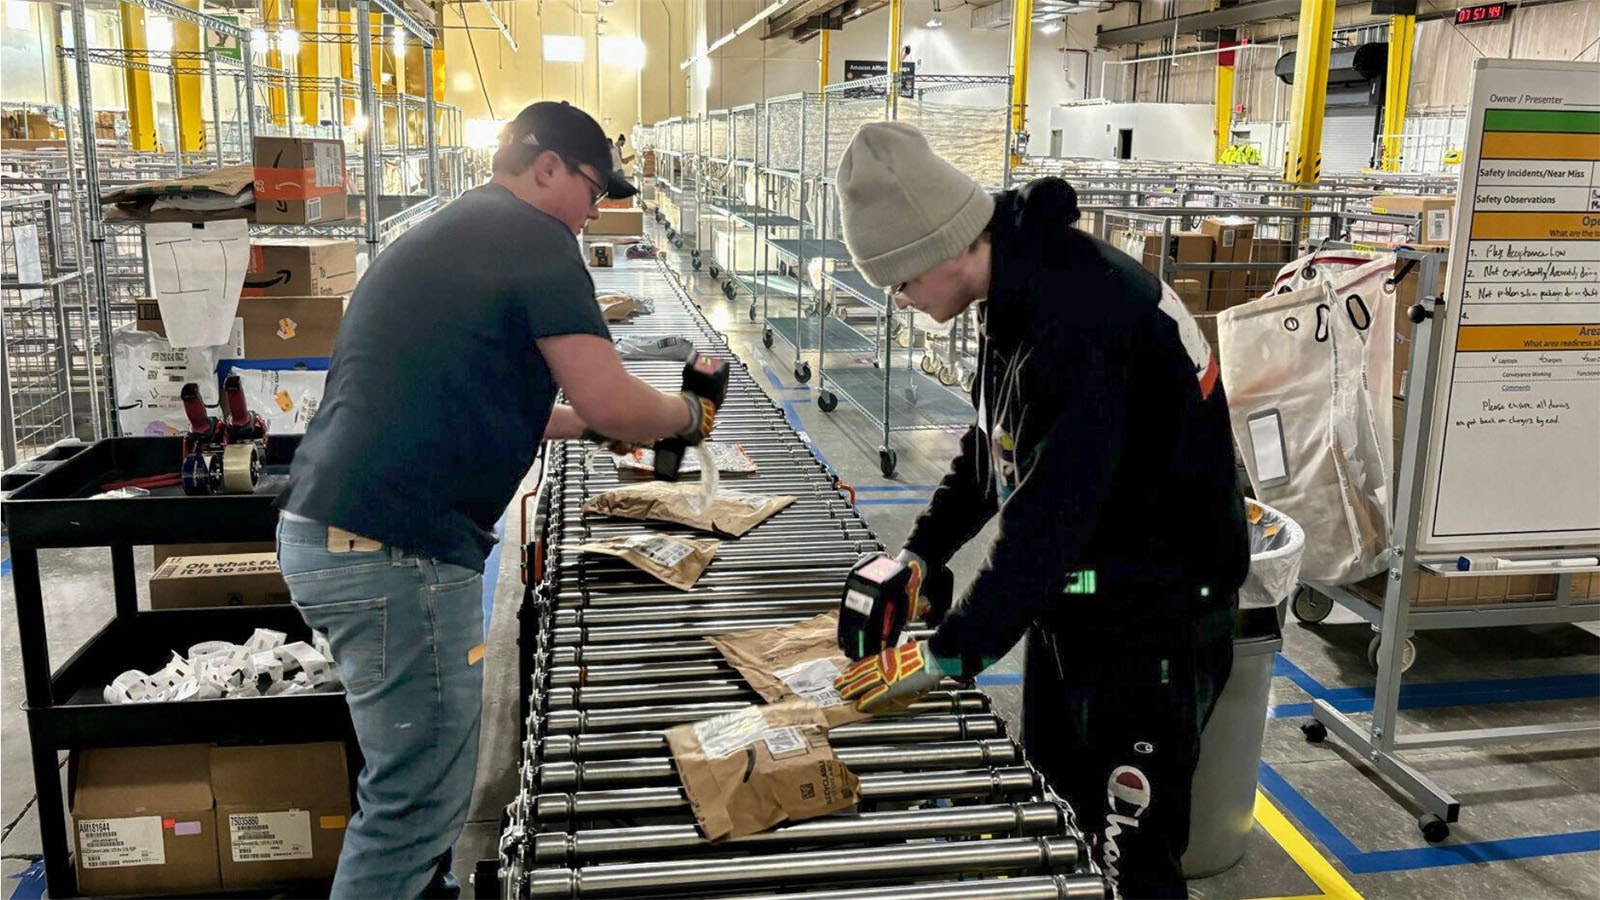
(704, 376)
(877, 603)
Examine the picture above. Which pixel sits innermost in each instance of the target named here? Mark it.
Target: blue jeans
(407, 633)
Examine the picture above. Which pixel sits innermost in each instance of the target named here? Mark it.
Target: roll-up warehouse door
(1347, 140)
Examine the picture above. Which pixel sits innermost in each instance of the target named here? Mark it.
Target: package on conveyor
(731, 459)
(798, 661)
(619, 307)
(263, 666)
(673, 348)
(674, 560)
(223, 193)
(761, 766)
(731, 513)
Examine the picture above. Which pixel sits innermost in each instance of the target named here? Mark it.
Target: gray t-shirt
(437, 395)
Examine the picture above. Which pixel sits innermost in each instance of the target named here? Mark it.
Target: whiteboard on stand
(1514, 450)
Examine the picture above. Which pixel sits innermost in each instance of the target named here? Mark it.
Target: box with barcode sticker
(142, 820)
(747, 771)
(299, 181)
(281, 812)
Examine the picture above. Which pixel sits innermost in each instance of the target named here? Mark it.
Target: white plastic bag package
(287, 399)
(150, 376)
(1297, 369)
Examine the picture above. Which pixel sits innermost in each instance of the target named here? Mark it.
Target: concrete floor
(1530, 822)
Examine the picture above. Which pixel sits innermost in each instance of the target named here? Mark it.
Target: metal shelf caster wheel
(1315, 732)
(1309, 606)
(694, 255)
(1434, 829)
(677, 242)
(802, 372)
(930, 366)
(1406, 660)
(826, 401)
(888, 460)
(714, 272)
(728, 290)
(766, 338)
(949, 377)
(694, 263)
(753, 315)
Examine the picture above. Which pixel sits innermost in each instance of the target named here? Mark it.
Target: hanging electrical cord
(482, 86)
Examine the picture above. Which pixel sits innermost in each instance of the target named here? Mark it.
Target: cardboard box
(1192, 291)
(143, 822)
(1234, 239)
(617, 223)
(281, 812)
(299, 181)
(274, 327)
(300, 267)
(1273, 254)
(245, 579)
(1436, 214)
(164, 552)
(602, 255)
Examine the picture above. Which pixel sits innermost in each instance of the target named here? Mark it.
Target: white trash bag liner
(1277, 544)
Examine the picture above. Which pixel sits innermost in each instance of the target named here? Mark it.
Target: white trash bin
(1223, 798)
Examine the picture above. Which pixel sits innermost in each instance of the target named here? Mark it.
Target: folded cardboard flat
(281, 811)
(142, 820)
(190, 582)
(300, 267)
(133, 202)
(164, 552)
(299, 181)
(274, 327)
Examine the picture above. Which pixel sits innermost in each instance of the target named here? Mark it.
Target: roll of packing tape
(241, 468)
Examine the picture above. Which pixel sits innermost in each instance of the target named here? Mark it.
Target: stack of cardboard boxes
(197, 819)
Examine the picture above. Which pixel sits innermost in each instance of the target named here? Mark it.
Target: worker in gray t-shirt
(442, 385)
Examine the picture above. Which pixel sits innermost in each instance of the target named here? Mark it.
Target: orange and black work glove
(894, 679)
(702, 418)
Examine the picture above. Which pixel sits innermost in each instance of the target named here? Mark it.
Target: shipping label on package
(114, 843)
(793, 661)
(262, 836)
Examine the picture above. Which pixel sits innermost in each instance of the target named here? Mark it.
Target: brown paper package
(731, 513)
(674, 560)
(793, 662)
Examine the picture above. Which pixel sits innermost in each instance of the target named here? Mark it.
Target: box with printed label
(143, 820)
(246, 579)
(300, 267)
(299, 181)
(1436, 222)
(1234, 239)
(274, 327)
(160, 553)
(601, 255)
(281, 811)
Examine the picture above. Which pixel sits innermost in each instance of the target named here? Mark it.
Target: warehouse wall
(1161, 131)
(616, 94)
(28, 59)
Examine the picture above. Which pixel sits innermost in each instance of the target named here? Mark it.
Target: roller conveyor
(612, 658)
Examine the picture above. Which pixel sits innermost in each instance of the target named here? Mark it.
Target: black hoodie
(1102, 442)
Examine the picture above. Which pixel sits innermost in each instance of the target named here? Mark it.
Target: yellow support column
(141, 102)
(308, 100)
(1224, 98)
(897, 11)
(823, 61)
(1397, 87)
(1303, 163)
(277, 101)
(190, 112)
(347, 67)
(1021, 49)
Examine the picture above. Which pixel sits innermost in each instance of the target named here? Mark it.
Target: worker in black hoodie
(1102, 443)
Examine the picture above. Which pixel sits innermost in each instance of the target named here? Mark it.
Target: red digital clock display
(1489, 12)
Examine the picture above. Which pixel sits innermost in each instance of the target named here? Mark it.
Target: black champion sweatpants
(1118, 736)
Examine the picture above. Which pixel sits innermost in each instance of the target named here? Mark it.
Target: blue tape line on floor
(778, 383)
(5, 567)
(999, 679)
(30, 882)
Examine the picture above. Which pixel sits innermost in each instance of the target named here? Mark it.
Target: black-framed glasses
(599, 190)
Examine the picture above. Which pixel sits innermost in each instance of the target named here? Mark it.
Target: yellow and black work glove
(930, 589)
(894, 679)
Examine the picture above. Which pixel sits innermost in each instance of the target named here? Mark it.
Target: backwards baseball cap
(574, 134)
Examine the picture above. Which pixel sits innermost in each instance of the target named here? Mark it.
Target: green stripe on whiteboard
(1541, 120)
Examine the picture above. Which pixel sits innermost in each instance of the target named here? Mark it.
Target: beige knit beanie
(905, 209)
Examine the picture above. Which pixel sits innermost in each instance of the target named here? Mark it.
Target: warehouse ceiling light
(936, 22)
(398, 37)
(1051, 27)
(258, 37)
(626, 52)
(289, 42)
(748, 24)
(563, 48)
